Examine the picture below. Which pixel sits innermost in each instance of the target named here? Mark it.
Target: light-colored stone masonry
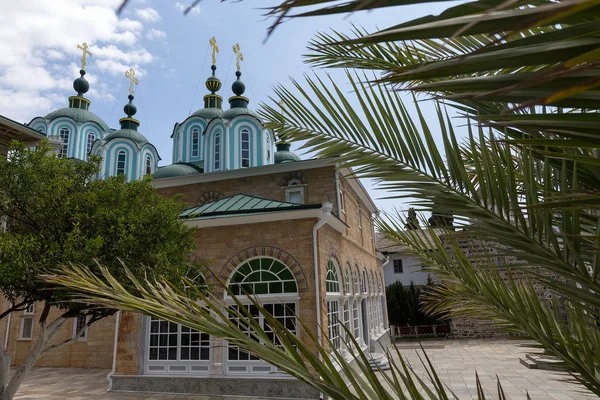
(94, 352)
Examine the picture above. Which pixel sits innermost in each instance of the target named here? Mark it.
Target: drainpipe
(7, 328)
(337, 190)
(326, 209)
(115, 346)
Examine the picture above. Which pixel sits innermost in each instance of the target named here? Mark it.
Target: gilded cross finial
(84, 47)
(238, 55)
(282, 105)
(130, 74)
(215, 49)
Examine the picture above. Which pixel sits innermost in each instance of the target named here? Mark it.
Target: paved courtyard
(455, 361)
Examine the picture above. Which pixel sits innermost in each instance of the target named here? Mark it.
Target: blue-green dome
(284, 155)
(234, 112)
(131, 134)
(78, 115)
(208, 113)
(178, 169)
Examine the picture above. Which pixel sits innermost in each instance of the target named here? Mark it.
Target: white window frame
(84, 336)
(245, 158)
(294, 189)
(217, 152)
(30, 310)
(195, 142)
(26, 317)
(89, 143)
(177, 366)
(401, 269)
(121, 170)
(65, 135)
(148, 165)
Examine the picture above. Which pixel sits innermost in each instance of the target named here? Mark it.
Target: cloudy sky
(169, 51)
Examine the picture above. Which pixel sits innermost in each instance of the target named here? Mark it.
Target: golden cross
(130, 74)
(282, 105)
(84, 48)
(238, 55)
(215, 49)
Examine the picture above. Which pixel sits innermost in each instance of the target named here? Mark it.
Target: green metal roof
(242, 204)
(78, 115)
(130, 134)
(177, 169)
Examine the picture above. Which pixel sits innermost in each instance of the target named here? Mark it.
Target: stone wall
(96, 351)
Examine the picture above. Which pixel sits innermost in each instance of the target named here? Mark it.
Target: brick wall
(94, 352)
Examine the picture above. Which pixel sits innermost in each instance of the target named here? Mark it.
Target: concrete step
(378, 362)
(546, 362)
(528, 363)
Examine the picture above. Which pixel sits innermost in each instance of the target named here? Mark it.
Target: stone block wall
(96, 351)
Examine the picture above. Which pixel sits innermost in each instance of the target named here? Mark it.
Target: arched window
(274, 284)
(372, 284)
(356, 282)
(121, 162)
(148, 165)
(217, 151)
(268, 147)
(90, 141)
(356, 319)
(332, 287)
(195, 142)
(363, 283)
(348, 280)
(245, 143)
(64, 134)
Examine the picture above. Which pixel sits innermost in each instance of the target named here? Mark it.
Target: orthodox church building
(299, 234)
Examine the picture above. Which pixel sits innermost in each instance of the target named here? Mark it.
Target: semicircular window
(332, 280)
(263, 276)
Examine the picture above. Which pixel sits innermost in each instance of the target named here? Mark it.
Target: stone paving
(455, 362)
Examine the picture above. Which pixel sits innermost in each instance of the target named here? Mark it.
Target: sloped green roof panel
(241, 204)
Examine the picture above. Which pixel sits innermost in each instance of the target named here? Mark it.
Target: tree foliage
(56, 214)
(404, 304)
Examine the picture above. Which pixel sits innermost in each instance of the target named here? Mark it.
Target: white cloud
(148, 14)
(182, 7)
(156, 34)
(40, 59)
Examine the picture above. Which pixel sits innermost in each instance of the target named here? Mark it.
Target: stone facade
(290, 241)
(94, 351)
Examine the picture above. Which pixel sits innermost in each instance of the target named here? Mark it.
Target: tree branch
(75, 337)
(16, 307)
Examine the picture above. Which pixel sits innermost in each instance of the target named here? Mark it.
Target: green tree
(55, 213)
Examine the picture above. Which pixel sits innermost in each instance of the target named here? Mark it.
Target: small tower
(73, 130)
(126, 151)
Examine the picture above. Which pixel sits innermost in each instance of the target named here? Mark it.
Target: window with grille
(355, 320)
(195, 142)
(79, 323)
(347, 319)
(245, 142)
(263, 276)
(217, 152)
(274, 284)
(26, 329)
(333, 321)
(332, 280)
(173, 348)
(91, 137)
(398, 268)
(348, 280)
(30, 309)
(64, 134)
(121, 162)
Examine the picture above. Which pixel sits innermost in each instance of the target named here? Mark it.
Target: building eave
(272, 216)
(242, 173)
(12, 130)
(358, 187)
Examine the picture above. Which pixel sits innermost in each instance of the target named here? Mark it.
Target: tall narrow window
(333, 289)
(148, 165)
(64, 134)
(195, 142)
(121, 160)
(245, 148)
(80, 323)
(355, 320)
(90, 141)
(217, 152)
(26, 328)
